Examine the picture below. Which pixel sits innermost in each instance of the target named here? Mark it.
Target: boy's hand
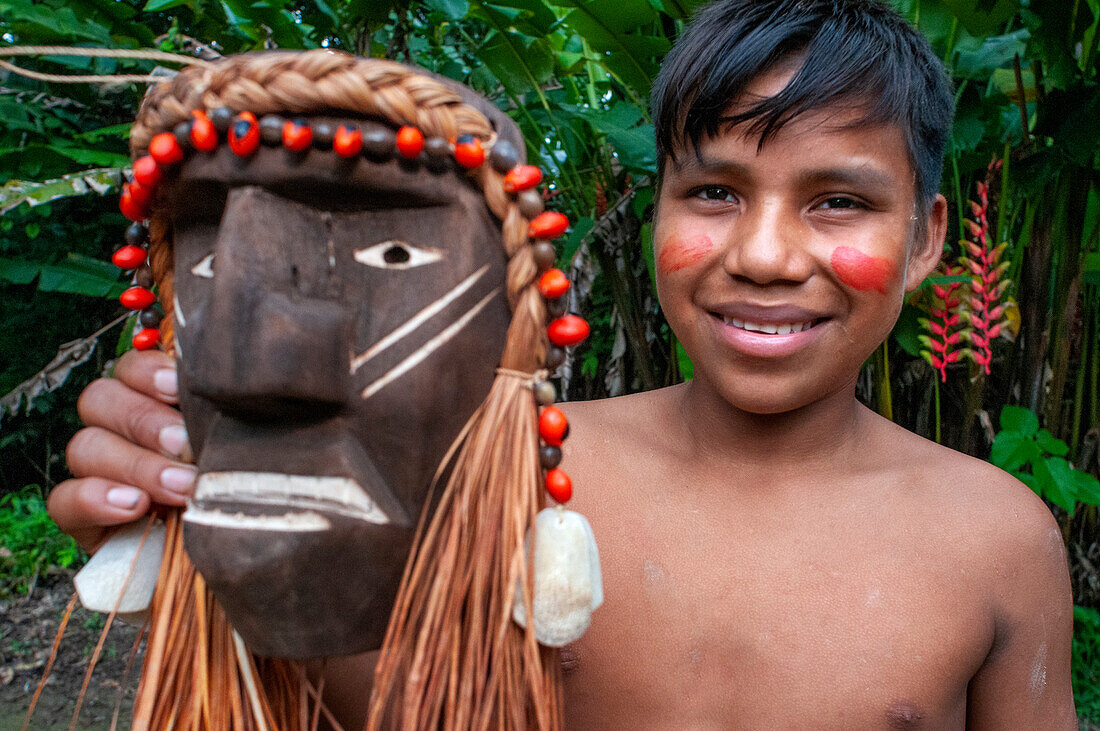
(132, 452)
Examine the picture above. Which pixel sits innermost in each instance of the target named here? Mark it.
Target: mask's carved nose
(275, 337)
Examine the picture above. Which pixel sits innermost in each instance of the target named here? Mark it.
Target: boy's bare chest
(769, 621)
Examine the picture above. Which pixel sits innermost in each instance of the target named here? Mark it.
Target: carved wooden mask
(336, 322)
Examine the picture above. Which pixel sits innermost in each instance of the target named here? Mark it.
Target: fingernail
(124, 497)
(166, 381)
(173, 440)
(179, 480)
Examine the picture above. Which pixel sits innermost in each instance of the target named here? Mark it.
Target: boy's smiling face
(810, 239)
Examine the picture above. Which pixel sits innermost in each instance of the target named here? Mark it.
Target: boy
(774, 554)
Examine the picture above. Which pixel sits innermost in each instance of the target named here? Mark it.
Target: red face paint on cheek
(677, 254)
(860, 271)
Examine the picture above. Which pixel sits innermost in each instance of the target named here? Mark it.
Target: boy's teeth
(785, 329)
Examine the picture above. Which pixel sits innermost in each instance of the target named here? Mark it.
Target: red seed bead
(553, 284)
(147, 339)
(297, 137)
(567, 331)
(204, 137)
(559, 485)
(140, 194)
(165, 149)
(410, 141)
(137, 298)
(347, 142)
(129, 257)
(244, 134)
(521, 178)
(146, 171)
(553, 426)
(130, 207)
(547, 225)
(468, 151)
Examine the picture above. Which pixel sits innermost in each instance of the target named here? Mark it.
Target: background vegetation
(997, 355)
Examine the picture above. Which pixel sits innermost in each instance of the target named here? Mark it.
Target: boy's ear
(926, 251)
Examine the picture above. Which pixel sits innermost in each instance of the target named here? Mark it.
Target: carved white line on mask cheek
(375, 256)
(418, 319)
(178, 311)
(204, 268)
(428, 348)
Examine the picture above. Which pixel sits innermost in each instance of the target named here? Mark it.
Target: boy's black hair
(857, 54)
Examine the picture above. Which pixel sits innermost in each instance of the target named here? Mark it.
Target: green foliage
(1037, 458)
(1086, 661)
(29, 541)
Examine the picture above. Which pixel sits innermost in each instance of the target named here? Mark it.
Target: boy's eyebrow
(862, 176)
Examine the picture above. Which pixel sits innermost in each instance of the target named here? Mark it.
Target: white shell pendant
(568, 586)
(102, 579)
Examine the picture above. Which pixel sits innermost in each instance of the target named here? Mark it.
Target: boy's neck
(815, 434)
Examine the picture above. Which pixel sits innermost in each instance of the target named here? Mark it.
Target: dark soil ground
(28, 626)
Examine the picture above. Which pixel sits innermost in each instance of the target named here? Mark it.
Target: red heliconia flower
(986, 313)
(943, 322)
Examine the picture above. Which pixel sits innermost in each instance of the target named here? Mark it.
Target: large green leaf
(1019, 419)
(1011, 450)
(16, 192)
(618, 31)
(521, 63)
(981, 17)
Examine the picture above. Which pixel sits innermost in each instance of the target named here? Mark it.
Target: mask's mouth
(277, 502)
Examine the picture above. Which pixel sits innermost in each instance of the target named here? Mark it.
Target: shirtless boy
(775, 555)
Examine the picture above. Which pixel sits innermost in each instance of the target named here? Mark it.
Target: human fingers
(111, 404)
(150, 372)
(100, 453)
(88, 508)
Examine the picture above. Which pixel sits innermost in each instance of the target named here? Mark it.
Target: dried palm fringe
(198, 673)
(452, 657)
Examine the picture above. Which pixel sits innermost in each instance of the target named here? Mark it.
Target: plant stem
(936, 393)
(883, 401)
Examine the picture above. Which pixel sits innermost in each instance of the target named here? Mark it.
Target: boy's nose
(768, 245)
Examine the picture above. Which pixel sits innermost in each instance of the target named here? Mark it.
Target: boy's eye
(714, 193)
(840, 202)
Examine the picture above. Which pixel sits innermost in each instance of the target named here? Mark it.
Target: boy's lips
(767, 331)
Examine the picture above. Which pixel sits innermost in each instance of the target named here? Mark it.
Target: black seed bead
(545, 394)
(143, 276)
(544, 255)
(271, 130)
(549, 456)
(503, 157)
(136, 234)
(555, 356)
(150, 317)
(530, 203)
(323, 135)
(182, 133)
(378, 143)
(241, 128)
(222, 117)
(557, 307)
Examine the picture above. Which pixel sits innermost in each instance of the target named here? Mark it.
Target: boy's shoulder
(979, 515)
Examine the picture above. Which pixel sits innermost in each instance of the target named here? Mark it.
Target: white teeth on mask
(784, 329)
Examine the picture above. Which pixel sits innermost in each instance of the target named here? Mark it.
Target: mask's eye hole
(397, 255)
(204, 268)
